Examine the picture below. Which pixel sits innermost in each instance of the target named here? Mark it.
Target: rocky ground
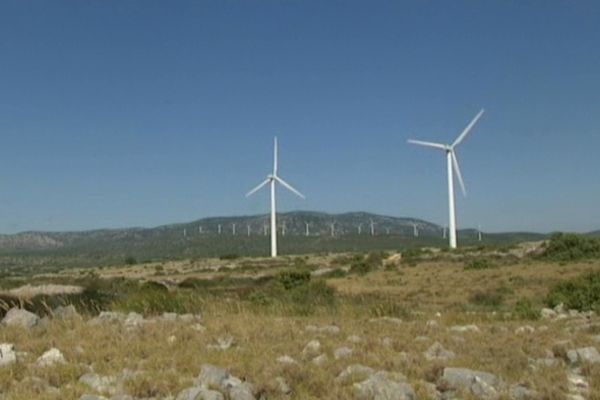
(246, 356)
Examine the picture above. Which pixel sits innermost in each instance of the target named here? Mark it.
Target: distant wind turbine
(233, 229)
(219, 229)
(359, 228)
(248, 227)
(272, 179)
(307, 229)
(415, 230)
(453, 168)
(479, 232)
(372, 228)
(332, 225)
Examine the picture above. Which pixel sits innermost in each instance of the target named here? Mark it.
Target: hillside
(201, 238)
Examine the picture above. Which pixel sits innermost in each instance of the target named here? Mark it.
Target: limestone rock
(342, 352)
(380, 386)
(437, 352)
(50, 358)
(312, 348)
(19, 317)
(7, 354)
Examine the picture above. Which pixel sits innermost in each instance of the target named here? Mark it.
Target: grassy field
(383, 307)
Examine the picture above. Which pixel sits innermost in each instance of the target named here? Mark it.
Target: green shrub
(581, 293)
(493, 299)
(154, 302)
(229, 257)
(570, 247)
(478, 264)
(525, 309)
(130, 260)
(292, 279)
(360, 267)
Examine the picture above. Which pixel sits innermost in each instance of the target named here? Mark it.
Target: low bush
(570, 247)
(292, 279)
(525, 309)
(493, 299)
(581, 293)
(478, 264)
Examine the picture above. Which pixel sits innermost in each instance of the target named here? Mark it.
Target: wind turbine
(233, 229)
(307, 229)
(272, 179)
(415, 230)
(453, 168)
(479, 232)
(359, 228)
(372, 228)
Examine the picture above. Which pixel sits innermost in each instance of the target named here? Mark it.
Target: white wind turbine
(453, 168)
(272, 179)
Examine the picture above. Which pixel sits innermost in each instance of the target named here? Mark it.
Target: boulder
(381, 386)
(482, 385)
(342, 352)
(211, 376)
(312, 349)
(584, 354)
(320, 360)
(465, 328)
(329, 329)
(19, 317)
(437, 352)
(199, 393)
(354, 371)
(50, 358)
(101, 384)
(521, 392)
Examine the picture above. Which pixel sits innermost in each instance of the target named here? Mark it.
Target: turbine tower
(479, 232)
(272, 179)
(415, 230)
(248, 227)
(307, 229)
(233, 229)
(453, 168)
(359, 228)
(372, 228)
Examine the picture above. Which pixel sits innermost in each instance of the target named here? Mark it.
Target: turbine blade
(275, 156)
(289, 187)
(256, 189)
(458, 174)
(464, 133)
(428, 144)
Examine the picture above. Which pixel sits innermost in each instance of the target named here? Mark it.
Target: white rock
(285, 359)
(357, 339)
(312, 348)
(19, 317)
(7, 354)
(524, 329)
(320, 360)
(437, 352)
(465, 328)
(50, 358)
(342, 352)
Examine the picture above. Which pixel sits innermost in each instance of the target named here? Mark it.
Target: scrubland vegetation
(382, 305)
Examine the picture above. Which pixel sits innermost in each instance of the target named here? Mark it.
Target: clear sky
(140, 113)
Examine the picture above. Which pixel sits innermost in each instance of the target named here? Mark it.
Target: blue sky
(141, 113)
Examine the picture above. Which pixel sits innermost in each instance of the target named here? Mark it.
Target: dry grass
(168, 356)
